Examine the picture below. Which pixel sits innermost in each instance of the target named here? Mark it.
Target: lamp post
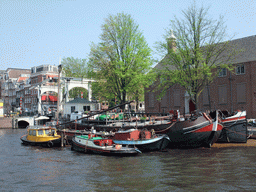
(58, 101)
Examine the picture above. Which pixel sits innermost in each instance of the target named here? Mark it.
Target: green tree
(195, 52)
(77, 91)
(122, 59)
(75, 67)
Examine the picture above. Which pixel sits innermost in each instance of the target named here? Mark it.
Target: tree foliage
(78, 68)
(196, 52)
(75, 67)
(122, 59)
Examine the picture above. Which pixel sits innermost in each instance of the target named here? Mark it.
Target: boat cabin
(97, 140)
(104, 142)
(132, 134)
(38, 133)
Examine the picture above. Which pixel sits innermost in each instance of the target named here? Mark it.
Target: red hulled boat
(197, 131)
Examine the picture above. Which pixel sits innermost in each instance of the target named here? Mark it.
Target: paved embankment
(5, 122)
(250, 143)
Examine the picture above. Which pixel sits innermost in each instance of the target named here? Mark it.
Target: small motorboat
(95, 144)
(144, 140)
(41, 135)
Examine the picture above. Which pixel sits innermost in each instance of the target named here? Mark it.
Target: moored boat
(197, 131)
(144, 140)
(234, 127)
(95, 144)
(41, 135)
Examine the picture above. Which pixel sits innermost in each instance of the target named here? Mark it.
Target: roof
(246, 44)
(80, 100)
(22, 79)
(15, 73)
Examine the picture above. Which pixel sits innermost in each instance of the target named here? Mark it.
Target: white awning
(41, 118)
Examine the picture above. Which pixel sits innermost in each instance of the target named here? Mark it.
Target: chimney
(171, 43)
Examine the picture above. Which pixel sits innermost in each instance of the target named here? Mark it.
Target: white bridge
(66, 82)
(23, 122)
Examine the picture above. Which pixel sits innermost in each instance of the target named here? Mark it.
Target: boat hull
(155, 144)
(49, 143)
(200, 132)
(87, 146)
(234, 129)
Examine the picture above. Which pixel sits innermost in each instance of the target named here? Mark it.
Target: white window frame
(223, 72)
(239, 69)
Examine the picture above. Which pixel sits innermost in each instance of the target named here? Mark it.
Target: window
(241, 92)
(30, 132)
(34, 132)
(223, 72)
(47, 131)
(73, 108)
(86, 108)
(38, 69)
(40, 132)
(222, 90)
(240, 69)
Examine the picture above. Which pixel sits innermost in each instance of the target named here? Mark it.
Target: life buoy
(49, 144)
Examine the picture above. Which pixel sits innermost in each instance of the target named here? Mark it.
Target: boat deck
(135, 124)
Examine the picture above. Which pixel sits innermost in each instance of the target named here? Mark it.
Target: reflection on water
(26, 168)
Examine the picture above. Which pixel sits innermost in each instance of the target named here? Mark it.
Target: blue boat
(144, 140)
(95, 144)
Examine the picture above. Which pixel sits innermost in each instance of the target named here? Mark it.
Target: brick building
(229, 91)
(9, 85)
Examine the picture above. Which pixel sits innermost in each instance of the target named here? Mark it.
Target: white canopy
(41, 118)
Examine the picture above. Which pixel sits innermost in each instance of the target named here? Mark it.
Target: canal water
(28, 168)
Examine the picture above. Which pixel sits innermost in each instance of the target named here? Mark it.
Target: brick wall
(237, 86)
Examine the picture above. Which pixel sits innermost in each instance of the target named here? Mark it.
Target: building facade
(35, 91)
(231, 90)
(9, 86)
(79, 105)
(43, 76)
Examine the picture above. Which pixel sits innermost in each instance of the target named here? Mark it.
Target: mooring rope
(235, 121)
(166, 128)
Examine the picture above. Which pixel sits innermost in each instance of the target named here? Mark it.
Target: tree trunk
(196, 101)
(137, 101)
(123, 100)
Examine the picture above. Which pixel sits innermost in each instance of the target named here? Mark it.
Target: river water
(32, 168)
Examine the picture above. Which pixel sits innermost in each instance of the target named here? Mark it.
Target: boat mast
(58, 101)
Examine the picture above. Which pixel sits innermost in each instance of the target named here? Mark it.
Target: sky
(39, 32)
